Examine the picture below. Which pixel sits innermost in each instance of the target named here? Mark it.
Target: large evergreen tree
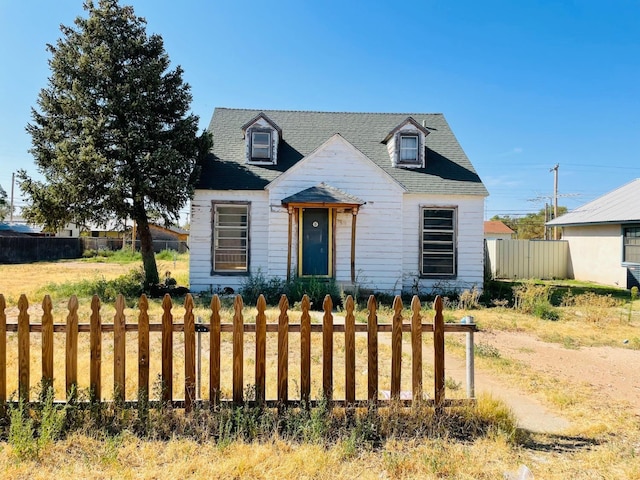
(113, 135)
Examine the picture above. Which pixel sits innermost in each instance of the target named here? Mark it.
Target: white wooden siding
(378, 262)
(469, 237)
(200, 278)
(388, 228)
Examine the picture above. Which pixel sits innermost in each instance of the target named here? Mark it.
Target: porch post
(354, 214)
(290, 210)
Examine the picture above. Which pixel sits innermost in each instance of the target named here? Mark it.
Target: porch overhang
(323, 196)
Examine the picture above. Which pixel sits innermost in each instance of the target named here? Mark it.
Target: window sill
(260, 162)
(229, 273)
(438, 277)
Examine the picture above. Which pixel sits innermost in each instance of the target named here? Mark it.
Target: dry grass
(604, 441)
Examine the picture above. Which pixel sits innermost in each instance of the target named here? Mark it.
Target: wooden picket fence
(328, 328)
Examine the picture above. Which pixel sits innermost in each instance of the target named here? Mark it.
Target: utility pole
(555, 198)
(13, 181)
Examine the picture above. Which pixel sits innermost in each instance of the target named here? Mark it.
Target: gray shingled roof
(622, 205)
(448, 169)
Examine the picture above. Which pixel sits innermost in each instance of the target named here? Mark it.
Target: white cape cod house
(389, 202)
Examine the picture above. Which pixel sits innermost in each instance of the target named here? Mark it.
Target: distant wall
(36, 249)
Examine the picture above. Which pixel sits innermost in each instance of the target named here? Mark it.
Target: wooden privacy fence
(328, 328)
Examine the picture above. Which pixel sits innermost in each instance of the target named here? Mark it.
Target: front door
(315, 241)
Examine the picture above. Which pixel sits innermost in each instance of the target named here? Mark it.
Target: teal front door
(316, 242)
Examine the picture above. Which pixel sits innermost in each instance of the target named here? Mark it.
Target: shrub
(469, 299)
(31, 431)
(316, 288)
(590, 306)
(273, 288)
(545, 311)
(129, 285)
(535, 300)
(257, 283)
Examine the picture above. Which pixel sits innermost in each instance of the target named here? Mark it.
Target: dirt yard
(607, 371)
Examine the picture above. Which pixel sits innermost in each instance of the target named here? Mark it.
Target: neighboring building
(169, 238)
(497, 230)
(19, 227)
(604, 237)
(175, 234)
(387, 202)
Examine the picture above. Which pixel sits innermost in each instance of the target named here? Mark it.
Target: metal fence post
(470, 367)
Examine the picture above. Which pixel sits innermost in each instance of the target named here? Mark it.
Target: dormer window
(409, 149)
(262, 137)
(406, 144)
(261, 146)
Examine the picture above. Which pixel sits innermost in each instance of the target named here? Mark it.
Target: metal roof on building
(621, 205)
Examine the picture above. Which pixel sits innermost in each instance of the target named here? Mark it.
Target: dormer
(262, 137)
(406, 144)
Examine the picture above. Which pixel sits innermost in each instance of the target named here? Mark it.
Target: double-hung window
(632, 244)
(231, 237)
(409, 149)
(261, 146)
(438, 245)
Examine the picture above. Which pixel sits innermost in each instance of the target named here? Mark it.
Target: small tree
(4, 205)
(113, 136)
(531, 226)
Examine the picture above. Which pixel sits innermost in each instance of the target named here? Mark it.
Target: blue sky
(523, 84)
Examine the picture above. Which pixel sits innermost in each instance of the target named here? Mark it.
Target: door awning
(322, 195)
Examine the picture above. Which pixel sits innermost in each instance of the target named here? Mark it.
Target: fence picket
(416, 349)
(438, 349)
(327, 348)
(71, 359)
(3, 354)
(396, 348)
(23, 349)
(305, 351)
(238, 350)
(95, 346)
(143, 349)
(214, 359)
(372, 358)
(261, 350)
(119, 350)
(350, 352)
(283, 352)
(47, 341)
(167, 350)
(189, 354)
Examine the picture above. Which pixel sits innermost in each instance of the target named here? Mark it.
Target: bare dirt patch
(609, 372)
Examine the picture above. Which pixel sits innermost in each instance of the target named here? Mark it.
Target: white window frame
(414, 160)
(231, 250)
(261, 159)
(442, 243)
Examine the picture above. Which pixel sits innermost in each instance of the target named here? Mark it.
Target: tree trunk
(146, 249)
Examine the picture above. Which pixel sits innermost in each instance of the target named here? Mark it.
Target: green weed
(129, 285)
